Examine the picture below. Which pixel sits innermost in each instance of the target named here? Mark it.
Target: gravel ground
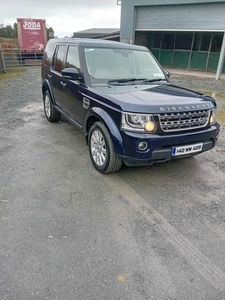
(196, 83)
(68, 232)
(212, 87)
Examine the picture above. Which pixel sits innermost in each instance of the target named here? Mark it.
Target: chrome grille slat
(177, 121)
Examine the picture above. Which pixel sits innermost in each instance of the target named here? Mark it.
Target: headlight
(213, 116)
(138, 122)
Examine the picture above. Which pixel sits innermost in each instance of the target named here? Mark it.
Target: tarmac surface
(68, 232)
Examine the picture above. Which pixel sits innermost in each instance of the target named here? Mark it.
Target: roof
(96, 32)
(96, 43)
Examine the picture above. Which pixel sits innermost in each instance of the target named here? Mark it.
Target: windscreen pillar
(221, 59)
(127, 23)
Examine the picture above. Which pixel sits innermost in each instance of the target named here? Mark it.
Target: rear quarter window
(48, 53)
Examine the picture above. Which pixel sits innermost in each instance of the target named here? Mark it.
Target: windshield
(105, 64)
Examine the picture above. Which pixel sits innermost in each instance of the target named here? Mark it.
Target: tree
(50, 33)
(8, 32)
(11, 32)
(15, 28)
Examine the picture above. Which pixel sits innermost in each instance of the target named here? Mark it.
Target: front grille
(178, 121)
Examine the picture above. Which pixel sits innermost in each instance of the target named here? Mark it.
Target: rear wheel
(101, 149)
(51, 113)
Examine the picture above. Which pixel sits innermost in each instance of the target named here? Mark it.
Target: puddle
(221, 116)
(32, 107)
(220, 100)
(27, 119)
(216, 95)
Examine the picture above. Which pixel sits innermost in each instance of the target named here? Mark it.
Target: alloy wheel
(98, 148)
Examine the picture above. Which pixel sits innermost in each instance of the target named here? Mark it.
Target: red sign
(32, 34)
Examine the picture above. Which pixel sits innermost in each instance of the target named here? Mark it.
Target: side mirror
(72, 74)
(167, 73)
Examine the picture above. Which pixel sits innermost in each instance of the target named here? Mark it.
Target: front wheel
(51, 113)
(101, 150)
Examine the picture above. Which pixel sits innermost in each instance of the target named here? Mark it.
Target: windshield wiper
(124, 80)
(154, 80)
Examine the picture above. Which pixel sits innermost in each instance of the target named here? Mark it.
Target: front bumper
(160, 147)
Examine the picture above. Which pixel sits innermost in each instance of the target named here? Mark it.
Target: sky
(64, 16)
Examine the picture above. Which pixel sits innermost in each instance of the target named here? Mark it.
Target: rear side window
(59, 58)
(72, 59)
(48, 53)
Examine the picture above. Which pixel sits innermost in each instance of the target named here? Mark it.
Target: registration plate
(182, 150)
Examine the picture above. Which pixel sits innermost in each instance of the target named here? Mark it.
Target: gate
(14, 57)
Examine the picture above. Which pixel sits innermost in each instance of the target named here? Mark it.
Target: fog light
(142, 146)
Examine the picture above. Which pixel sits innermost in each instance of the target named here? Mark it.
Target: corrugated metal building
(180, 33)
(99, 33)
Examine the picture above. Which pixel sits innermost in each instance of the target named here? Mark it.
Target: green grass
(12, 73)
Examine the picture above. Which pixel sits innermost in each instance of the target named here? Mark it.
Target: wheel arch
(46, 87)
(98, 114)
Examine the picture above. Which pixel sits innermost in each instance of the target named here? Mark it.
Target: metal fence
(11, 58)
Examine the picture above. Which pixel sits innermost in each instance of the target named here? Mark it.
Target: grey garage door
(202, 17)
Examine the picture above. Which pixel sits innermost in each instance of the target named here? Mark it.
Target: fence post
(2, 60)
(221, 59)
(35, 56)
(21, 61)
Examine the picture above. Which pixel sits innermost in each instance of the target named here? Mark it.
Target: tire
(101, 150)
(51, 113)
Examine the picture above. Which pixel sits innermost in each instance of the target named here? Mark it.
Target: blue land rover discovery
(122, 100)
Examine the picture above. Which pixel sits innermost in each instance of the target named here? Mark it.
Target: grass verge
(12, 73)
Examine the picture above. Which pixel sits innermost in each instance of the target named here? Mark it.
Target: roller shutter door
(202, 17)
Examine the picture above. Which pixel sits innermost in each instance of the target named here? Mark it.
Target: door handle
(49, 76)
(63, 84)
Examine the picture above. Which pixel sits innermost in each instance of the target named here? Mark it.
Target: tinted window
(202, 41)
(206, 37)
(197, 41)
(168, 40)
(58, 59)
(72, 59)
(157, 40)
(48, 53)
(183, 41)
(217, 42)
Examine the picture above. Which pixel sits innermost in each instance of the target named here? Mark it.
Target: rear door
(56, 77)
